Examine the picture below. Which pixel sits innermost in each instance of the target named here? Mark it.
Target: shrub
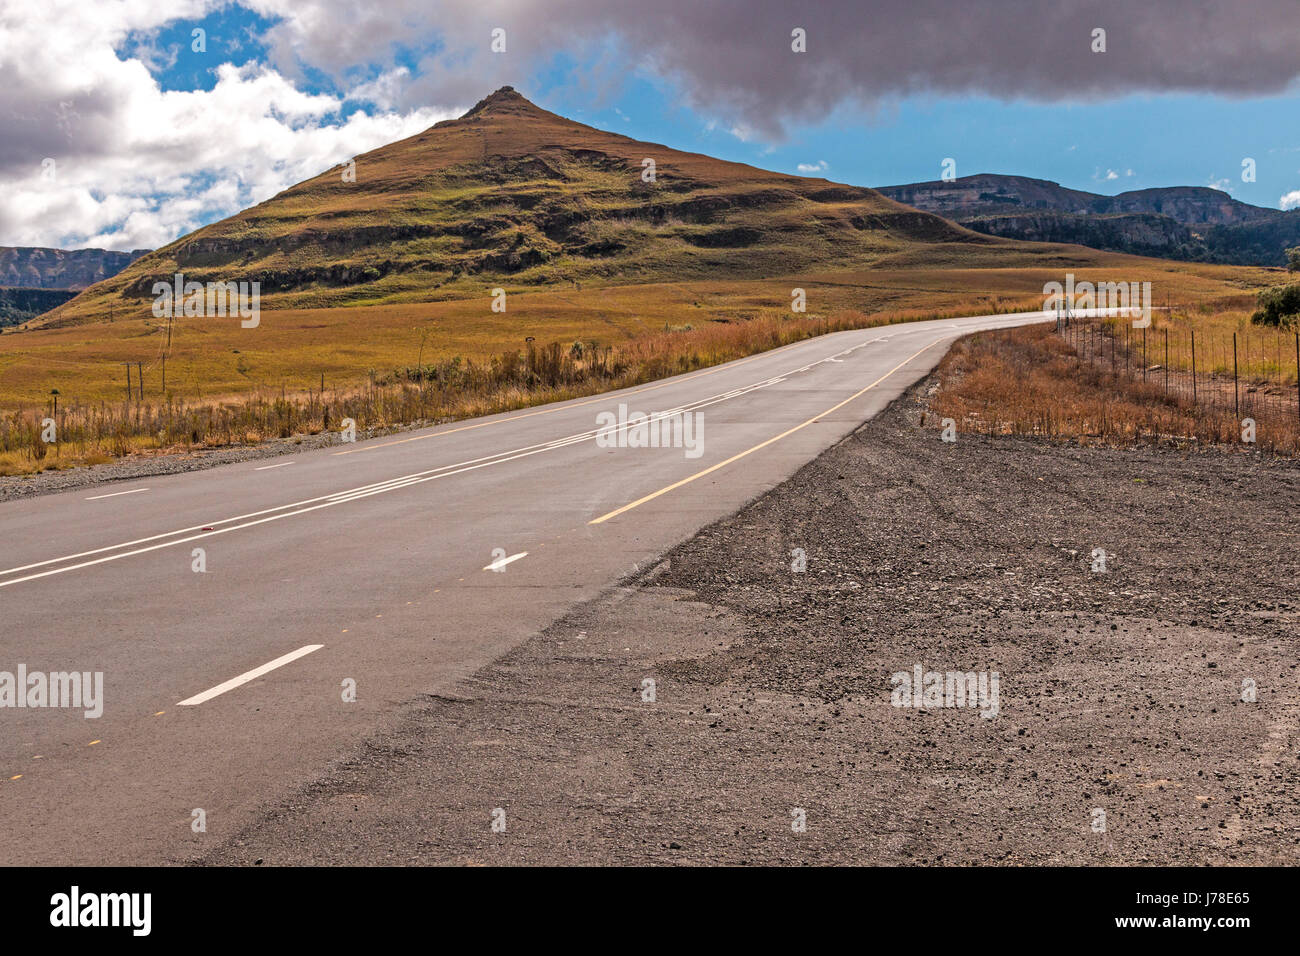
(1279, 305)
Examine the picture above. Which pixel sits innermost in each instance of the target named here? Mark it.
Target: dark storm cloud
(735, 56)
(739, 52)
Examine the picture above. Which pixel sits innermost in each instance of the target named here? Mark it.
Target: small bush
(1279, 305)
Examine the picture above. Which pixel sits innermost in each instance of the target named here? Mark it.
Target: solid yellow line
(749, 451)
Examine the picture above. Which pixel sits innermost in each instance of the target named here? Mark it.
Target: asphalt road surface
(395, 566)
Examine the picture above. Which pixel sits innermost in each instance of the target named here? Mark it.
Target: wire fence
(1225, 387)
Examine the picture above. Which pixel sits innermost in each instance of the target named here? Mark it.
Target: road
(366, 565)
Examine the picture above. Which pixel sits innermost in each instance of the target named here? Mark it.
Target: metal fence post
(1236, 395)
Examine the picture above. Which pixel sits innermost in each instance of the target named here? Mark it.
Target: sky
(125, 124)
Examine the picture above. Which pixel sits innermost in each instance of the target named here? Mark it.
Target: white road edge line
(502, 562)
(116, 493)
(280, 465)
(250, 675)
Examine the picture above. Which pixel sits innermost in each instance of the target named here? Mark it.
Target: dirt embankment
(1147, 713)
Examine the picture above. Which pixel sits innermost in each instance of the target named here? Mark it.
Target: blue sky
(152, 139)
(1129, 142)
(1160, 140)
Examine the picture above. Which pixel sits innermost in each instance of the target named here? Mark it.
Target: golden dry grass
(229, 384)
(1088, 386)
(216, 359)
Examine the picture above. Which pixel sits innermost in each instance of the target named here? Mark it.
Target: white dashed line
(250, 675)
(133, 491)
(280, 465)
(210, 528)
(502, 562)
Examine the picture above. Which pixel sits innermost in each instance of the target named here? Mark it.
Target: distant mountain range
(1191, 223)
(34, 280)
(25, 267)
(512, 193)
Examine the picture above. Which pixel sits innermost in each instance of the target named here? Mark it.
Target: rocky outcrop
(28, 267)
(1193, 223)
(990, 195)
(1140, 233)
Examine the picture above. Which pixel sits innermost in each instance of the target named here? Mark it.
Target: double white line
(126, 549)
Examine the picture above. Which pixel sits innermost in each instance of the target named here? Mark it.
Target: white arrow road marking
(255, 673)
(133, 491)
(502, 562)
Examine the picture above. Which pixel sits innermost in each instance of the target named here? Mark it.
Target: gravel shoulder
(1120, 691)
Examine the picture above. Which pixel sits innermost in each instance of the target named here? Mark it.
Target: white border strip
(133, 491)
(250, 675)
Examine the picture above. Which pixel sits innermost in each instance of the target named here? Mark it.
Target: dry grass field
(1090, 385)
(226, 384)
(215, 359)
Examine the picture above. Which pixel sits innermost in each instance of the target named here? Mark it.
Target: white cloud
(809, 168)
(385, 90)
(1290, 201)
(136, 166)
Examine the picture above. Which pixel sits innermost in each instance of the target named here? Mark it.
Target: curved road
(369, 563)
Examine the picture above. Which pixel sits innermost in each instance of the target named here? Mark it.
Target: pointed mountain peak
(504, 100)
(511, 189)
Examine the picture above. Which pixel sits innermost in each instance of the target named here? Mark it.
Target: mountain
(1193, 223)
(25, 267)
(34, 280)
(510, 194)
(991, 195)
(19, 305)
